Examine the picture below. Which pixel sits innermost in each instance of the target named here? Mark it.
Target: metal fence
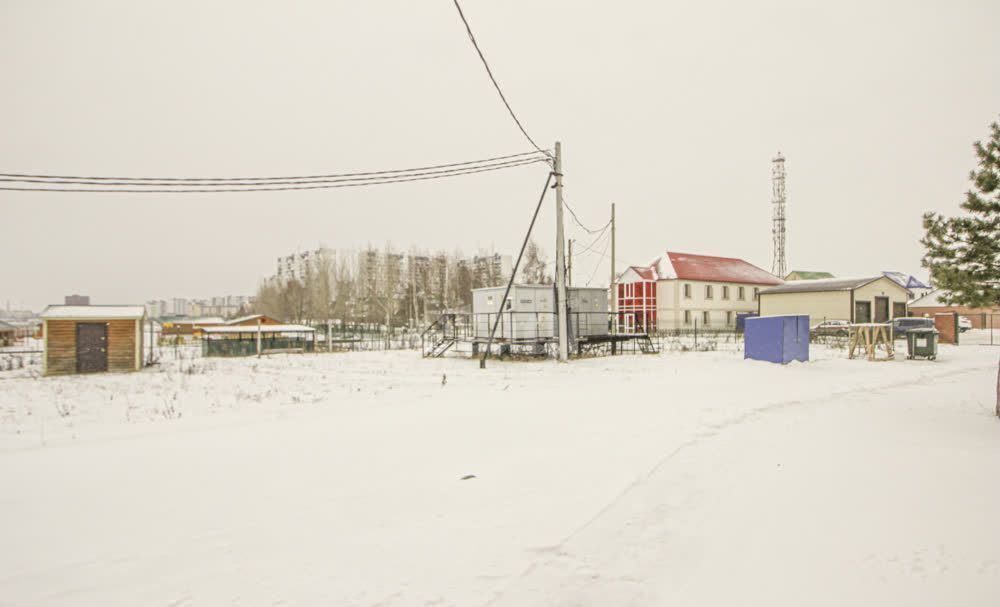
(12, 359)
(984, 331)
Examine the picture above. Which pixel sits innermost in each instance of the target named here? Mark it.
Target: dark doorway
(862, 311)
(898, 309)
(91, 347)
(881, 309)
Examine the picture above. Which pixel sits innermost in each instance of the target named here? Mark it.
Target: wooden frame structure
(868, 337)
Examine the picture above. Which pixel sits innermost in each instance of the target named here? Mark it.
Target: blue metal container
(741, 320)
(777, 339)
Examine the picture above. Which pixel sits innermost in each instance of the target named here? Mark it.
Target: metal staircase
(646, 345)
(436, 339)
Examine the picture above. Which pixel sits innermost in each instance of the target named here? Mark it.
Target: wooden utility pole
(614, 281)
(569, 263)
(258, 338)
(563, 324)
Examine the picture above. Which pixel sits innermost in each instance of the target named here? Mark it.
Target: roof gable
(905, 280)
(687, 266)
(930, 300)
(825, 284)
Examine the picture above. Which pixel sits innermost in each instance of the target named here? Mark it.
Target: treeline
(382, 285)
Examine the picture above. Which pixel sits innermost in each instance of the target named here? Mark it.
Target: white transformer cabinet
(530, 312)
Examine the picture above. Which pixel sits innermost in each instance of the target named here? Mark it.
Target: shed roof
(822, 284)
(208, 320)
(687, 266)
(93, 312)
(930, 300)
(236, 321)
(6, 326)
(807, 275)
(263, 329)
(905, 280)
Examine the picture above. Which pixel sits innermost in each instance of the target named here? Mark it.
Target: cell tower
(778, 268)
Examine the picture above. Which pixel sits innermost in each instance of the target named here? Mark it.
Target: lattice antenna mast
(779, 267)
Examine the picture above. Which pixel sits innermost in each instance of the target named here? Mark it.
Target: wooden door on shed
(898, 309)
(881, 309)
(862, 311)
(91, 347)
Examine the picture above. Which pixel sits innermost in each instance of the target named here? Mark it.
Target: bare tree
(345, 292)
(533, 265)
(384, 288)
(320, 285)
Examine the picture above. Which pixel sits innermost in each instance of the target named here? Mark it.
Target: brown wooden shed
(92, 339)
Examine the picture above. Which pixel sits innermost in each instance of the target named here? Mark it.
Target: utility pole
(569, 263)
(258, 337)
(561, 318)
(614, 282)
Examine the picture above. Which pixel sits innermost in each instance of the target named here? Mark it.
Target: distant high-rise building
(77, 300)
(156, 308)
(491, 270)
(299, 265)
(179, 306)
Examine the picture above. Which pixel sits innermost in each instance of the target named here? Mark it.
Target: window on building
(706, 318)
(687, 291)
(687, 317)
(725, 292)
(729, 318)
(708, 291)
(756, 292)
(741, 293)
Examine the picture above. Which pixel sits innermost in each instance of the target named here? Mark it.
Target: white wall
(671, 303)
(819, 306)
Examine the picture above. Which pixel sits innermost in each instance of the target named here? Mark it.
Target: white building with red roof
(681, 291)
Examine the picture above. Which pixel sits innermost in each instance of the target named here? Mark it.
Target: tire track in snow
(554, 552)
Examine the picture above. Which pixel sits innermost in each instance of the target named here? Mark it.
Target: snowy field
(337, 479)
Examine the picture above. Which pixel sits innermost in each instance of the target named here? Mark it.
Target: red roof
(686, 266)
(644, 273)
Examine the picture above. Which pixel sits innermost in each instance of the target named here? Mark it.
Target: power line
(597, 266)
(496, 85)
(375, 178)
(386, 180)
(579, 223)
(200, 180)
(590, 247)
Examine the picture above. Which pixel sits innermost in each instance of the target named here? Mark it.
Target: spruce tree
(963, 253)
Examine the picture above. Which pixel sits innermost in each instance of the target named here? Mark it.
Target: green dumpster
(921, 343)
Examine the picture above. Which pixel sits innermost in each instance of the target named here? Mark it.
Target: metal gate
(91, 347)
(985, 330)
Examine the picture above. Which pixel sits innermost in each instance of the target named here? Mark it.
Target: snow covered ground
(337, 479)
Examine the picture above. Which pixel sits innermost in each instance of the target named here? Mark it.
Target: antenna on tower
(778, 267)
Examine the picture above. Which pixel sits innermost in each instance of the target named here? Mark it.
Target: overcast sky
(672, 110)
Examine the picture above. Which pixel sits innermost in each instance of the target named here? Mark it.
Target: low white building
(684, 291)
(529, 312)
(857, 300)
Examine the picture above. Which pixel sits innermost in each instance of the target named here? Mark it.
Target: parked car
(832, 327)
(964, 324)
(901, 325)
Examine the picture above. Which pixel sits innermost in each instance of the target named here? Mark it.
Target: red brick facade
(981, 318)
